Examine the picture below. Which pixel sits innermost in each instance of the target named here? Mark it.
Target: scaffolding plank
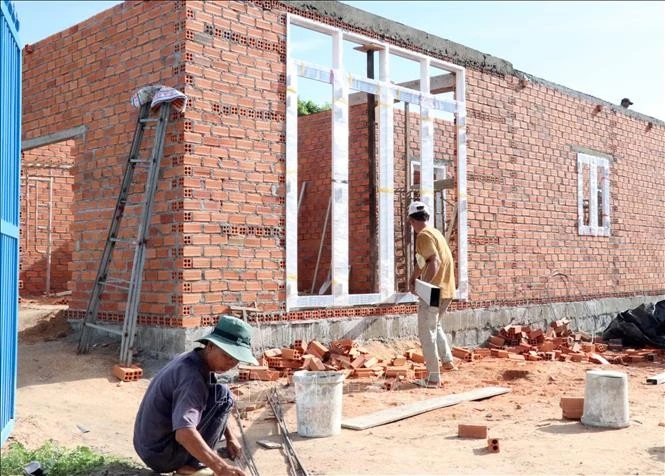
(391, 415)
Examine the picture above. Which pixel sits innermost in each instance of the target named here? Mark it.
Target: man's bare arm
(432, 266)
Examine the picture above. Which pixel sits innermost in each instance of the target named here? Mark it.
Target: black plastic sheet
(643, 326)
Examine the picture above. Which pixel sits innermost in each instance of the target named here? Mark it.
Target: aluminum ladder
(133, 286)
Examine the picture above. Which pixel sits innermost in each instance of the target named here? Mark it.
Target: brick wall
(314, 156)
(523, 195)
(234, 158)
(45, 168)
(85, 75)
(218, 229)
(314, 167)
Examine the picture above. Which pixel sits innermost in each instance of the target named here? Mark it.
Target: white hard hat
(416, 207)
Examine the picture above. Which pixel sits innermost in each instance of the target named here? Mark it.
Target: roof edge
(433, 45)
(405, 35)
(590, 98)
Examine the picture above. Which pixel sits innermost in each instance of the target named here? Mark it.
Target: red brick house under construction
(547, 195)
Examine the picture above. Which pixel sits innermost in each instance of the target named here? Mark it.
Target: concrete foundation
(469, 328)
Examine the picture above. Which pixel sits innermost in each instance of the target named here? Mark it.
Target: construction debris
(342, 355)
(514, 342)
(558, 342)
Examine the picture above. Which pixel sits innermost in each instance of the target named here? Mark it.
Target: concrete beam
(443, 83)
(412, 38)
(53, 138)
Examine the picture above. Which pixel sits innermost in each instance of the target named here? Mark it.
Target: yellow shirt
(429, 242)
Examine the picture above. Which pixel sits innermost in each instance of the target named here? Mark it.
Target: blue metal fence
(10, 164)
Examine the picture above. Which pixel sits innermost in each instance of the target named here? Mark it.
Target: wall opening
(47, 216)
(593, 195)
(368, 164)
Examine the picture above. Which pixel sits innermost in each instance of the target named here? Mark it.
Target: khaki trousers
(432, 338)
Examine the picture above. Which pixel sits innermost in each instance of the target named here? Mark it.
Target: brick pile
(342, 355)
(514, 342)
(558, 342)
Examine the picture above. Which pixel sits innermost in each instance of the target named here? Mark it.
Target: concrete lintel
(443, 83)
(403, 35)
(53, 138)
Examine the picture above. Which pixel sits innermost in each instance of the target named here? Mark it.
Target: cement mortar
(468, 328)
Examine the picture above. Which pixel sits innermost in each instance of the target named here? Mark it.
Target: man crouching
(185, 411)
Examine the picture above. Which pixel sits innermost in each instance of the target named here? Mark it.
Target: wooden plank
(390, 415)
(656, 379)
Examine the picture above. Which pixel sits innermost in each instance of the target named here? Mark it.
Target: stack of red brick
(559, 343)
(342, 355)
(515, 342)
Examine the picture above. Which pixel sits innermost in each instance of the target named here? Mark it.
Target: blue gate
(10, 164)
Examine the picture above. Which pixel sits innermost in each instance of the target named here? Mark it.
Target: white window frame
(439, 174)
(387, 92)
(593, 163)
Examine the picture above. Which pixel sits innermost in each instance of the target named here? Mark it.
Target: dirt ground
(74, 400)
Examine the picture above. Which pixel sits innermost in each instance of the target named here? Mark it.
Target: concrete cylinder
(606, 399)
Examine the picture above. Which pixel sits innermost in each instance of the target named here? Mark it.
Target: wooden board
(390, 415)
(656, 379)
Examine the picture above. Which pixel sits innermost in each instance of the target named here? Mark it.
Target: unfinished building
(551, 199)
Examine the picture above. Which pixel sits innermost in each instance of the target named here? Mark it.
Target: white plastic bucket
(319, 403)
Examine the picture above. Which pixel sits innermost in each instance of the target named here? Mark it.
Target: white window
(593, 195)
(341, 82)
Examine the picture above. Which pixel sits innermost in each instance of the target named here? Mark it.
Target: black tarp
(643, 326)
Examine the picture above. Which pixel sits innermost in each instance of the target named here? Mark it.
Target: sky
(609, 50)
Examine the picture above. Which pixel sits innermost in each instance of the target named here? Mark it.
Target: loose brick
(472, 431)
(291, 354)
(497, 341)
(371, 362)
(315, 364)
(317, 349)
(493, 445)
(127, 374)
(572, 407)
(502, 354)
(393, 371)
(399, 361)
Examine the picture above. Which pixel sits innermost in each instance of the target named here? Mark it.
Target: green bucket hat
(234, 337)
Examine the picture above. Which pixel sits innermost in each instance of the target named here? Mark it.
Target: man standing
(434, 265)
(185, 411)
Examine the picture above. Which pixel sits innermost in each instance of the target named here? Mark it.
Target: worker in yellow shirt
(434, 265)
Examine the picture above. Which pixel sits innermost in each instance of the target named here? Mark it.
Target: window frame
(594, 163)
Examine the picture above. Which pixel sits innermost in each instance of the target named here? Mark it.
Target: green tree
(310, 107)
